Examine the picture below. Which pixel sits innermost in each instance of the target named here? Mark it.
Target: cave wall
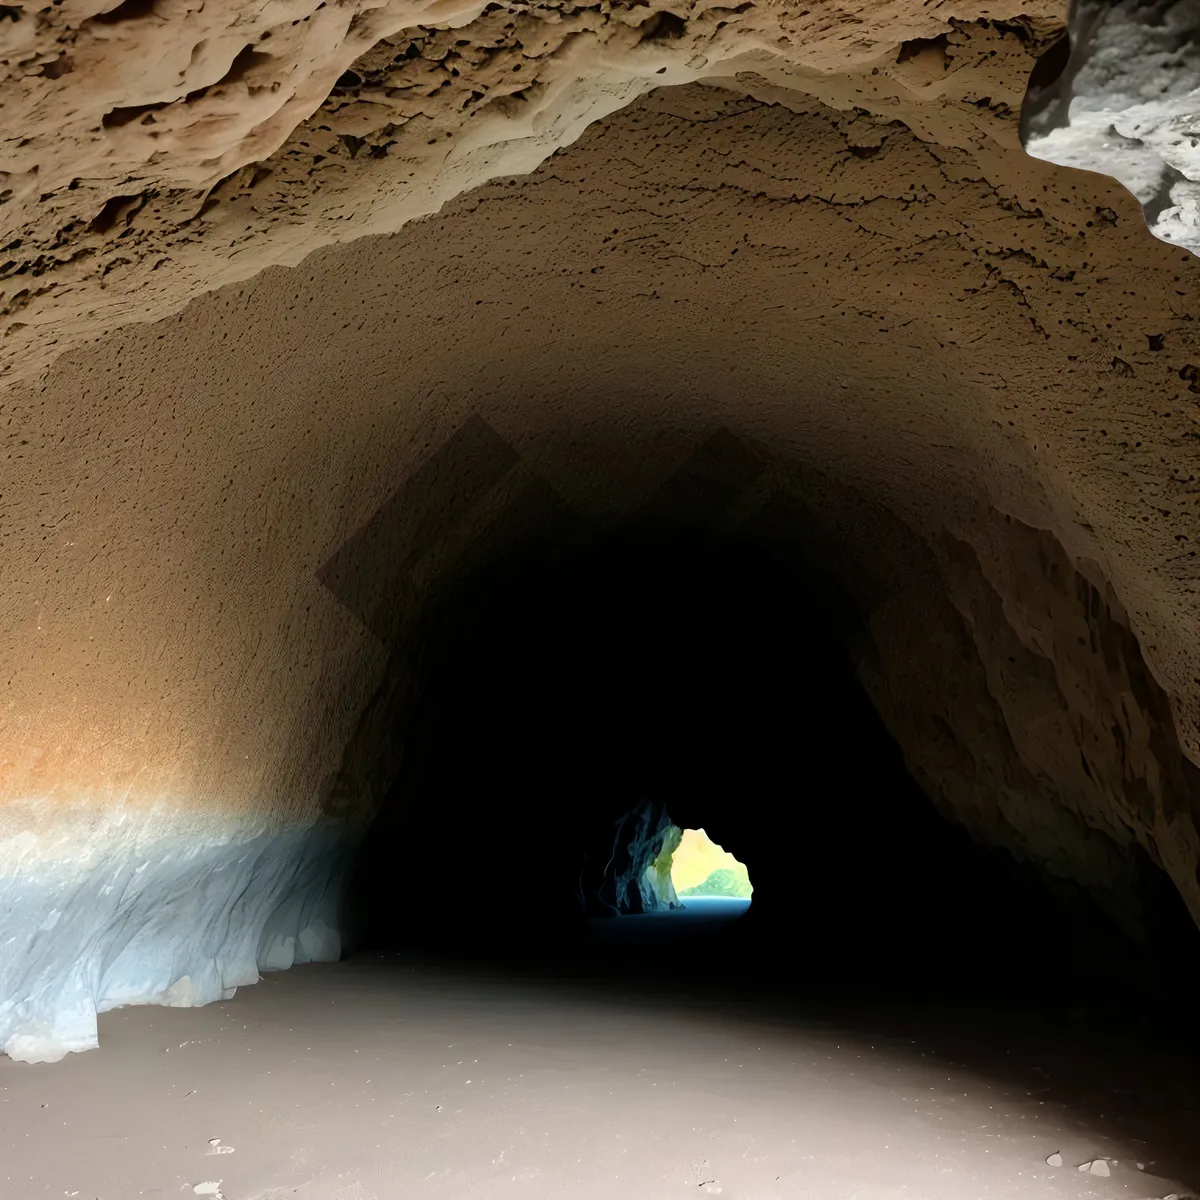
(965, 375)
(628, 872)
(1121, 99)
(107, 906)
(1021, 700)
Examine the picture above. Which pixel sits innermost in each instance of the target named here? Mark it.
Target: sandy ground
(384, 1078)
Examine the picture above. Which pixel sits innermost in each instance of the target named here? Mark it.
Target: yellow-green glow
(697, 857)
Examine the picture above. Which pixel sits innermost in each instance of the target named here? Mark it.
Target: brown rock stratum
(153, 152)
(797, 250)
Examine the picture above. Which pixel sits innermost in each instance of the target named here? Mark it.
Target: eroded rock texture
(799, 257)
(1122, 96)
(156, 150)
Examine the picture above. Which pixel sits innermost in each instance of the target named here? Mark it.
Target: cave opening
(688, 894)
(701, 870)
(647, 684)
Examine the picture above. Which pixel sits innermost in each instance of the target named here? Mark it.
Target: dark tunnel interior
(716, 680)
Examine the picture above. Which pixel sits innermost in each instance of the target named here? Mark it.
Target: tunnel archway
(788, 454)
(574, 708)
(1019, 642)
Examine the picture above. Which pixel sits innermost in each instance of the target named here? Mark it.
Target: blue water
(712, 907)
(700, 914)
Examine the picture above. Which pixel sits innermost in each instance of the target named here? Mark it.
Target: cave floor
(384, 1077)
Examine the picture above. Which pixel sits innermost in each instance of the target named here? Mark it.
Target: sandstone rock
(159, 152)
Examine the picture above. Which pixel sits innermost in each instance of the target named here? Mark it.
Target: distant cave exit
(706, 877)
(576, 715)
(652, 867)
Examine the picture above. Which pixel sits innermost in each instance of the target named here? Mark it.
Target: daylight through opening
(707, 876)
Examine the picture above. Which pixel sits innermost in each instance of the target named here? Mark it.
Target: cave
(680, 671)
(453, 454)
(704, 677)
